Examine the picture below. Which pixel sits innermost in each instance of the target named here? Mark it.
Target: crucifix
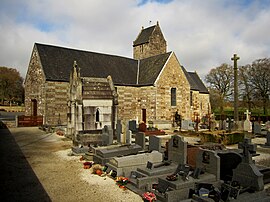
(248, 150)
(247, 113)
(235, 58)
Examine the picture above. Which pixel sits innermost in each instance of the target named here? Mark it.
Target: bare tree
(220, 80)
(260, 80)
(246, 87)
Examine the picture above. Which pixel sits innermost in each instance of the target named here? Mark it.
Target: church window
(97, 116)
(191, 99)
(173, 96)
(141, 48)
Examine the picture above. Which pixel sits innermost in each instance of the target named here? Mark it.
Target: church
(151, 86)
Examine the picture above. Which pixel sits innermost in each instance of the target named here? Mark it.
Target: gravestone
(247, 173)
(154, 143)
(209, 161)
(177, 150)
(229, 160)
(187, 125)
(118, 130)
(267, 139)
(184, 125)
(257, 128)
(140, 139)
(107, 132)
(132, 125)
(128, 136)
(230, 125)
(224, 124)
(247, 123)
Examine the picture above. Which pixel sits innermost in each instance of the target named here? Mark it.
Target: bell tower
(149, 42)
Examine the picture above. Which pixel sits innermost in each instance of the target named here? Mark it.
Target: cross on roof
(248, 148)
(247, 113)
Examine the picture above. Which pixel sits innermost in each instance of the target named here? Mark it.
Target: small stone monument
(247, 123)
(118, 130)
(267, 139)
(247, 173)
(257, 128)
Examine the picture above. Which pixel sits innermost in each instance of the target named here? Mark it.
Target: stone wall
(55, 107)
(172, 77)
(34, 85)
(157, 99)
(51, 96)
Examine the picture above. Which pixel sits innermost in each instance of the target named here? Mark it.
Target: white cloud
(203, 34)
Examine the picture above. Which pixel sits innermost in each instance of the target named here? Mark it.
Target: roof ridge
(81, 50)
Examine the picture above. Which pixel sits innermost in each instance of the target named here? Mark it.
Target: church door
(34, 107)
(144, 115)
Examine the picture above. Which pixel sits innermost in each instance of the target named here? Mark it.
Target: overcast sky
(203, 33)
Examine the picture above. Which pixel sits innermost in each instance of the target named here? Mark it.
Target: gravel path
(50, 174)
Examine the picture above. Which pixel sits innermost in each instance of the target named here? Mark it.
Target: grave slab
(118, 151)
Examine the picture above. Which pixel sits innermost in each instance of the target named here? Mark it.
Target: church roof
(196, 83)
(150, 68)
(144, 36)
(57, 64)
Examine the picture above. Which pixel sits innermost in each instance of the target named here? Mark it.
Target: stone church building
(151, 86)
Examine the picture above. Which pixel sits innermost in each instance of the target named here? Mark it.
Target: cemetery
(169, 168)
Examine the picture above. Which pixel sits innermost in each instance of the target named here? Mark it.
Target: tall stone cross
(235, 58)
(247, 113)
(248, 148)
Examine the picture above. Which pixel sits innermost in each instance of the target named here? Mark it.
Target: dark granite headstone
(140, 139)
(118, 130)
(154, 143)
(247, 173)
(228, 162)
(267, 139)
(177, 150)
(132, 126)
(209, 161)
(257, 128)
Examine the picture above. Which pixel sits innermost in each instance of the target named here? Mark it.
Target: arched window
(173, 96)
(97, 115)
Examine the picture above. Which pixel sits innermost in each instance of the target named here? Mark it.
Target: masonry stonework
(155, 45)
(172, 77)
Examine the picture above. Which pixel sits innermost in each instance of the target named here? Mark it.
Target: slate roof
(196, 83)
(96, 88)
(144, 36)
(57, 63)
(151, 67)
